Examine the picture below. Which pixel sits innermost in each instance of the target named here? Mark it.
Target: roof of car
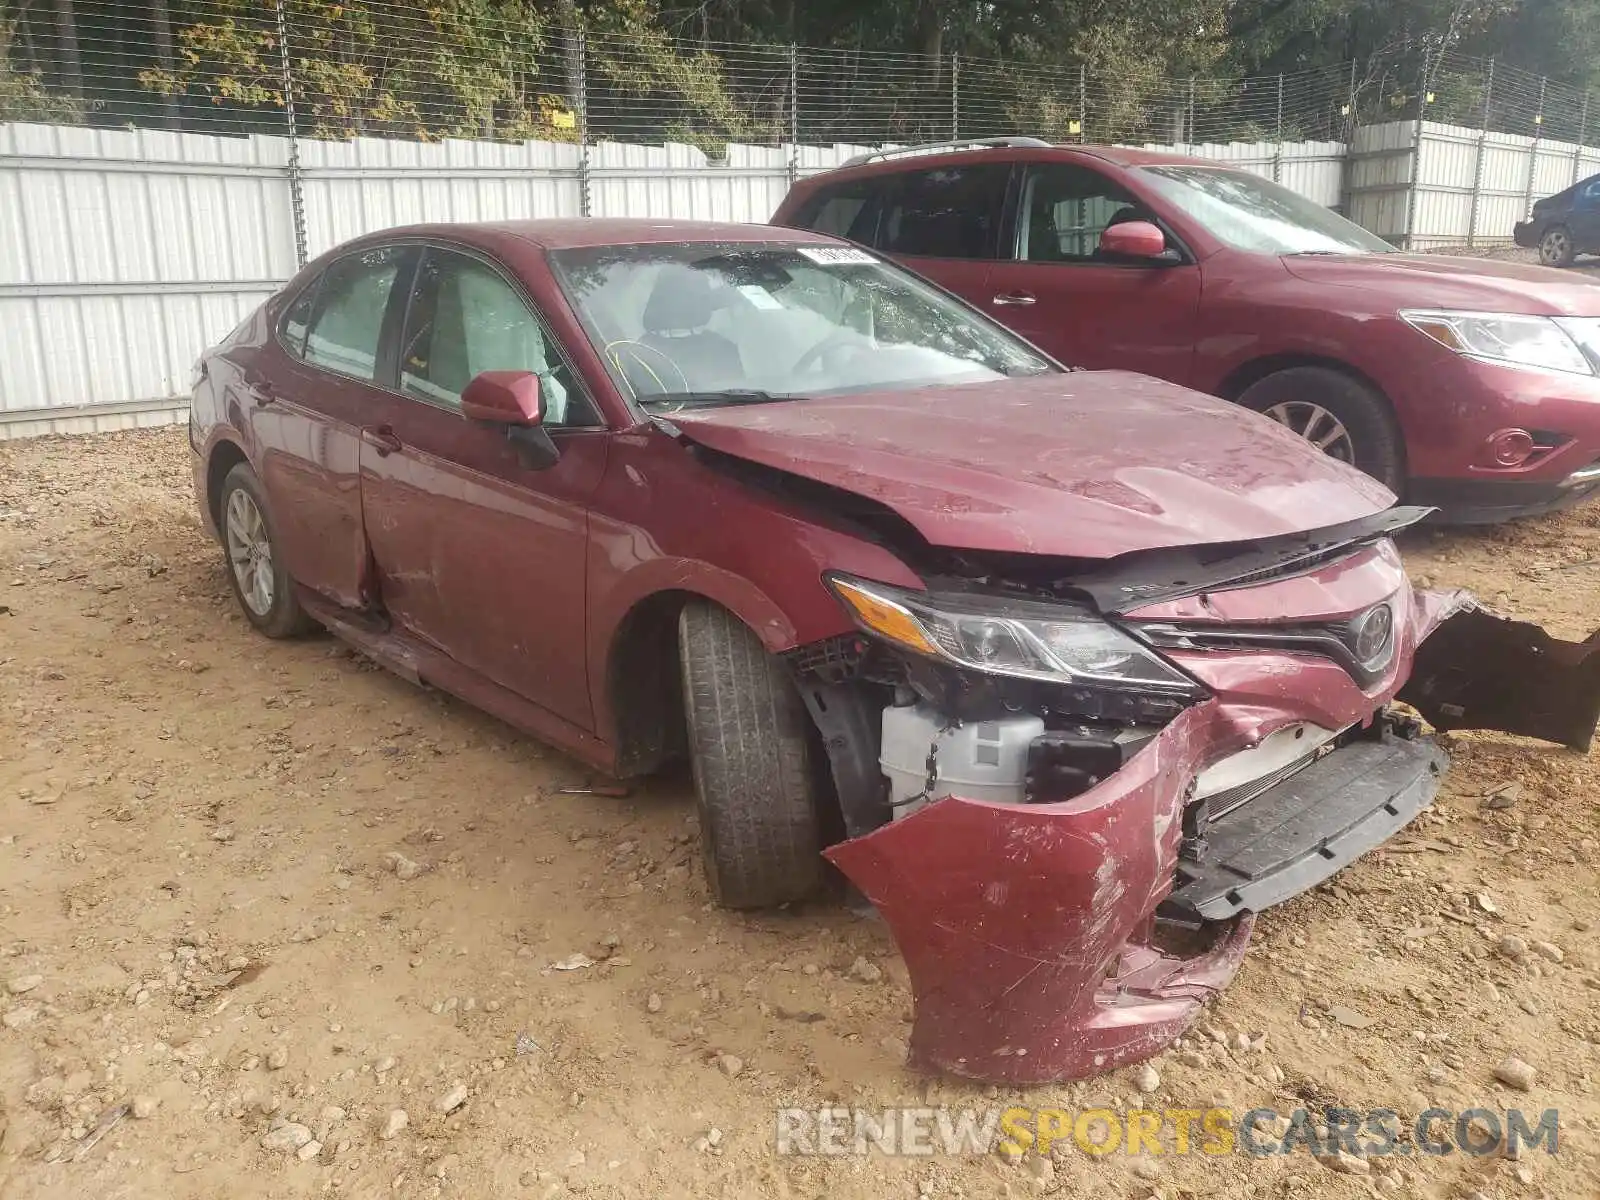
(913, 158)
(568, 233)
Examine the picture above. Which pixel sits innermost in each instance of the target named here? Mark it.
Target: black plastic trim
(1293, 836)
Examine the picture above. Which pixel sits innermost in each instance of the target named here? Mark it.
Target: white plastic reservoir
(982, 760)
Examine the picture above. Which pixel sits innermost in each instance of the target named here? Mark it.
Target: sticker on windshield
(758, 296)
(831, 255)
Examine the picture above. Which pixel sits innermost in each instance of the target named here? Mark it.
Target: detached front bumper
(1054, 941)
(1031, 933)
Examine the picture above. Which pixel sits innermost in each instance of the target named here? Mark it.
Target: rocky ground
(289, 926)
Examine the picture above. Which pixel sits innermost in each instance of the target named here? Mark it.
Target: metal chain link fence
(313, 69)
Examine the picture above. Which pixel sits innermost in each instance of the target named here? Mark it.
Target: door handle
(1009, 298)
(260, 393)
(382, 439)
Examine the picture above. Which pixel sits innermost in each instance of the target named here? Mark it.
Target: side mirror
(1133, 239)
(504, 398)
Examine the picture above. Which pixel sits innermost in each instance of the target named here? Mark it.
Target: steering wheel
(841, 340)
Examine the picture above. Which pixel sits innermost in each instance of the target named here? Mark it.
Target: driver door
(1059, 292)
(478, 552)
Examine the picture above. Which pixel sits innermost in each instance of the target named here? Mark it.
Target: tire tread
(750, 744)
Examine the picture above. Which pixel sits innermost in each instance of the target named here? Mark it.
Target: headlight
(1019, 638)
(1570, 344)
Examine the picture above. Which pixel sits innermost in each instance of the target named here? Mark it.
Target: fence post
(794, 113)
(955, 97)
(297, 204)
(1583, 132)
(581, 73)
(1083, 102)
(1277, 158)
(1350, 126)
(1477, 165)
(1533, 151)
(1188, 131)
(1416, 157)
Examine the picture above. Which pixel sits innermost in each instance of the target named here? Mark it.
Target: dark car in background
(1565, 225)
(1466, 384)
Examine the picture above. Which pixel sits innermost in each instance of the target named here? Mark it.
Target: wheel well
(224, 458)
(645, 687)
(1243, 377)
(1253, 372)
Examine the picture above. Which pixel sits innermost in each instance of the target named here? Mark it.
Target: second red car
(1467, 384)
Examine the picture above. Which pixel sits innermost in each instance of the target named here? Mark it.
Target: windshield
(706, 323)
(1251, 213)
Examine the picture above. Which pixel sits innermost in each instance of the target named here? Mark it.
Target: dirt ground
(181, 801)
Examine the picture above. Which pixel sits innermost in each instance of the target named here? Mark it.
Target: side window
(298, 319)
(465, 317)
(1065, 208)
(948, 212)
(1591, 193)
(845, 210)
(351, 301)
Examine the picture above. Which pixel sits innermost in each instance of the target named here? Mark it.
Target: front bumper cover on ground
(1031, 932)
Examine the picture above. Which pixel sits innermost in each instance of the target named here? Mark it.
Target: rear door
(477, 552)
(944, 223)
(1059, 291)
(306, 401)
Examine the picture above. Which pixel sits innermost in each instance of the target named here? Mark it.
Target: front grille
(1337, 640)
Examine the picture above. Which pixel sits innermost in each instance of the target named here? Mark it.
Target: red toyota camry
(1071, 672)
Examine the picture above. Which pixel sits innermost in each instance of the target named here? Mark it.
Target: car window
(946, 212)
(1251, 213)
(705, 323)
(465, 317)
(1065, 208)
(1592, 190)
(298, 319)
(351, 301)
(844, 210)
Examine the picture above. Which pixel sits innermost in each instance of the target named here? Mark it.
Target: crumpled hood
(1447, 281)
(1087, 464)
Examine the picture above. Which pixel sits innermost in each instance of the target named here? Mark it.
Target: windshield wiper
(727, 396)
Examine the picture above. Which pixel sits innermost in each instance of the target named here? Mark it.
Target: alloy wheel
(250, 552)
(1556, 247)
(1317, 425)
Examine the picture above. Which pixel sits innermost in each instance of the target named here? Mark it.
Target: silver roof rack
(941, 147)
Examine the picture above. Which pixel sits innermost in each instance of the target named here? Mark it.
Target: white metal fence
(124, 253)
(1441, 185)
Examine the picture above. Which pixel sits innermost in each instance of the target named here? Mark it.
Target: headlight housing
(1018, 638)
(1570, 345)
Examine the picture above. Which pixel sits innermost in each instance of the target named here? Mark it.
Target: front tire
(1339, 415)
(751, 746)
(1556, 247)
(260, 582)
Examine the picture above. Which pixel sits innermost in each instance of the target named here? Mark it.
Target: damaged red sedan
(1070, 672)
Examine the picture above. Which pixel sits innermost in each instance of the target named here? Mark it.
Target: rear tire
(1556, 248)
(750, 742)
(260, 581)
(1371, 441)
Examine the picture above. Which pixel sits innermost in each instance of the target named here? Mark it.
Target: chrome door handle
(1010, 298)
(382, 439)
